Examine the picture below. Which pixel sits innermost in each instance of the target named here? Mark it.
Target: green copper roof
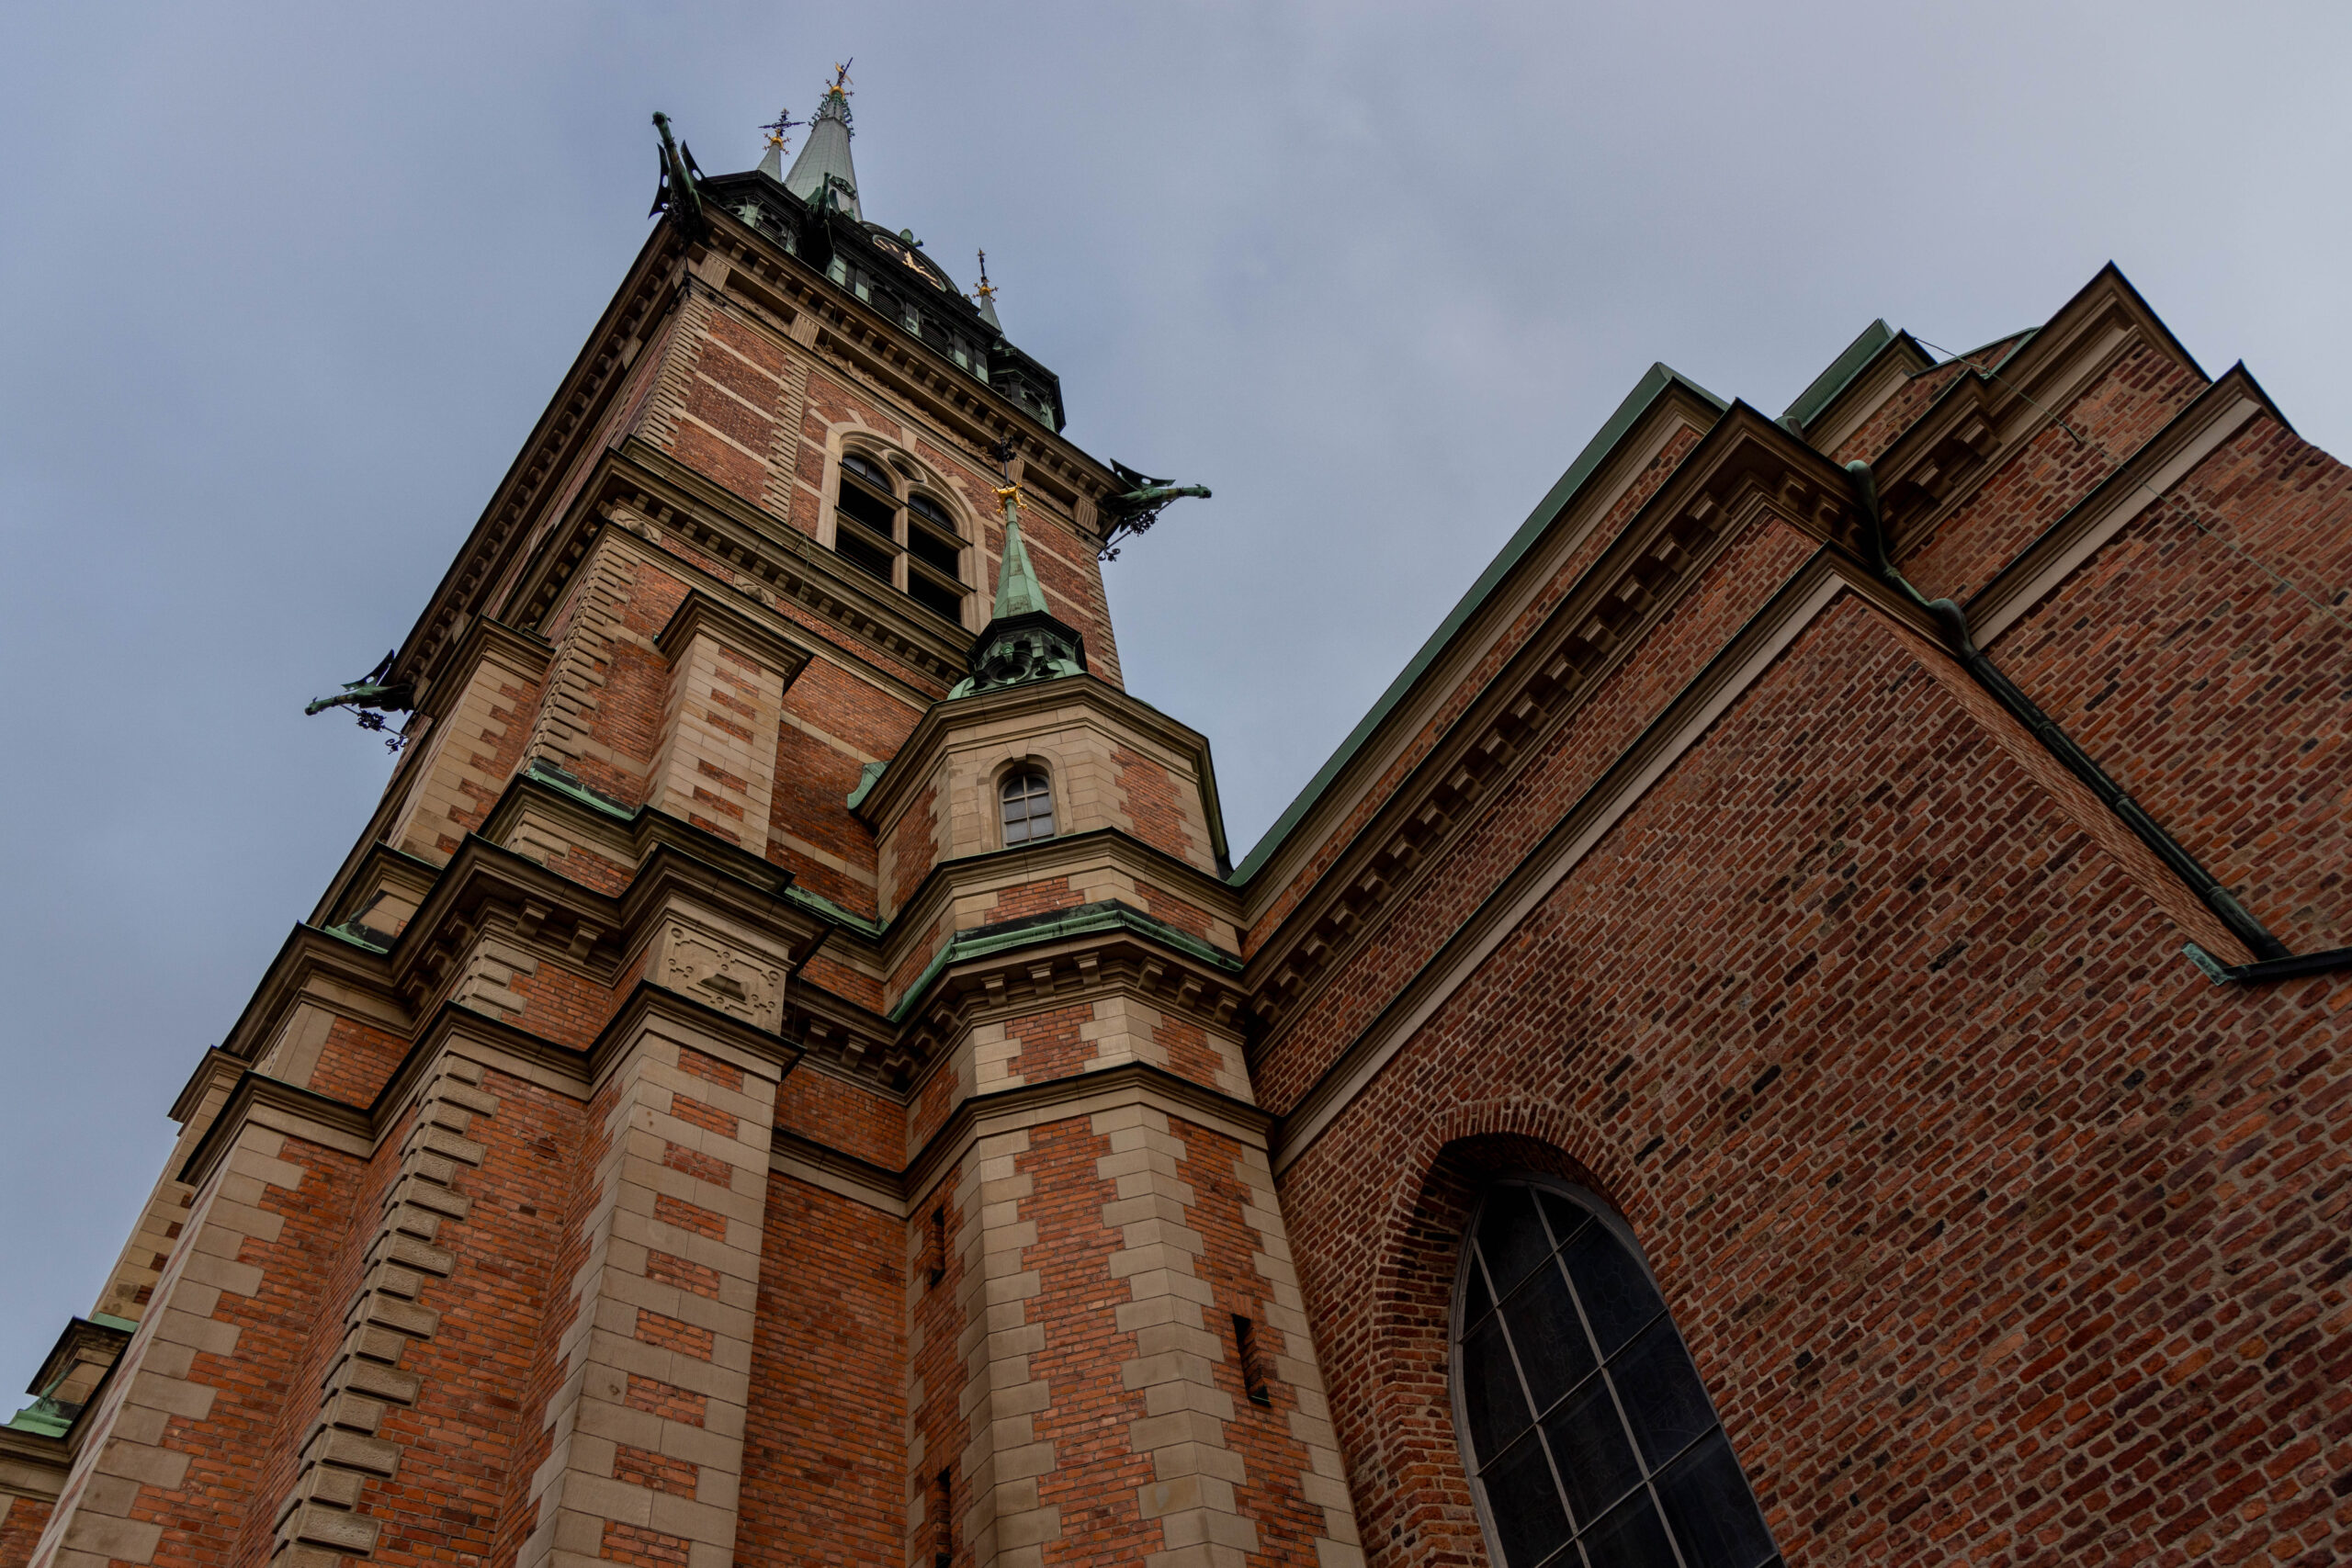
(1017, 590)
(1646, 391)
(1842, 370)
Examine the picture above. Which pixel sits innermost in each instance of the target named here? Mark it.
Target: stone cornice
(645, 494)
(216, 1067)
(1020, 977)
(1677, 409)
(755, 1049)
(1040, 860)
(1054, 1099)
(34, 1465)
(556, 445)
(308, 951)
(357, 1131)
(700, 614)
(1747, 464)
(282, 1106)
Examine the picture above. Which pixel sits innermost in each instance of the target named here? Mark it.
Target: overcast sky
(283, 289)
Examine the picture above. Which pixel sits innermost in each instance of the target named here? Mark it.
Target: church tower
(766, 1083)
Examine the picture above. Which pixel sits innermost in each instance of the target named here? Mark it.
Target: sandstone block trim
(126, 1466)
(646, 1452)
(1005, 1522)
(321, 1518)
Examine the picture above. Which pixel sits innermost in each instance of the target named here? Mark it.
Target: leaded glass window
(1028, 807)
(1592, 1441)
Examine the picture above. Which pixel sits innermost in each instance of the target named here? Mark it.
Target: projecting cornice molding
(1745, 466)
(555, 446)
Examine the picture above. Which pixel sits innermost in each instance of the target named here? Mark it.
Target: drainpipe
(2273, 962)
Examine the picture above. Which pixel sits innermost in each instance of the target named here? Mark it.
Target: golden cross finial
(777, 127)
(987, 290)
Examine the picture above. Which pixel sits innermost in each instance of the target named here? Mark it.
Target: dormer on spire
(825, 164)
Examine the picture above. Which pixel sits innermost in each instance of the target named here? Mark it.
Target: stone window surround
(914, 474)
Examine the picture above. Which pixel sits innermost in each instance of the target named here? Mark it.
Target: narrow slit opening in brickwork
(1246, 1357)
(935, 1254)
(943, 1529)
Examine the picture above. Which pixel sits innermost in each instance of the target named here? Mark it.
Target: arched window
(1028, 806)
(1583, 1420)
(908, 540)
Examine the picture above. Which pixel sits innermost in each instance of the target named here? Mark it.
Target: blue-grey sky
(283, 288)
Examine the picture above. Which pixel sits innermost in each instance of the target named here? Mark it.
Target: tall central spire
(824, 157)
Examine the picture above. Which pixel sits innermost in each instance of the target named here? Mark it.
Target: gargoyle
(370, 698)
(679, 193)
(1139, 507)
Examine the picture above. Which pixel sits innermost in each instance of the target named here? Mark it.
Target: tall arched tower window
(898, 535)
(1591, 1440)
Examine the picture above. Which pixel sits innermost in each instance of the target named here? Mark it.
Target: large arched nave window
(1591, 1440)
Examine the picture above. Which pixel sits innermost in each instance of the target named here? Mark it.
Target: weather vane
(986, 292)
(841, 76)
(778, 126)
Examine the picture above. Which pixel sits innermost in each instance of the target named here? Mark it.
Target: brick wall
(2214, 691)
(1975, 1263)
(822, 1466)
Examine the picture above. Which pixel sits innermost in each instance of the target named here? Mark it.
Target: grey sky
(282, 288)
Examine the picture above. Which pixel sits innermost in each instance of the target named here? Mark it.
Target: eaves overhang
(1655, 384)
(555, 444)
(1747, 465)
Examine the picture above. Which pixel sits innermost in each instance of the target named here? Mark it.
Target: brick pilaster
(646, 1430)
(717, 764)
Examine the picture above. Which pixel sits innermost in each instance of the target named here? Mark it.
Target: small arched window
(1582, 1417)
(907, 541)
(1028, 801)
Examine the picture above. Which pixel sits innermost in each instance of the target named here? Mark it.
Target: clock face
(894, 245)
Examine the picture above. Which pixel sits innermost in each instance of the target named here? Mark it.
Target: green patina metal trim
(108, 1320)
(866, 780)
(558, 780)
(1646, 391)
(1823, 391)
(42, 1416)
(818, 904)
(1107, 915)
(347, 931)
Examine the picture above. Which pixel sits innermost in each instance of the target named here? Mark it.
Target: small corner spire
(772, 164)
(1022, 640)
(1018, 592)
(823, 176)
(986, 295)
